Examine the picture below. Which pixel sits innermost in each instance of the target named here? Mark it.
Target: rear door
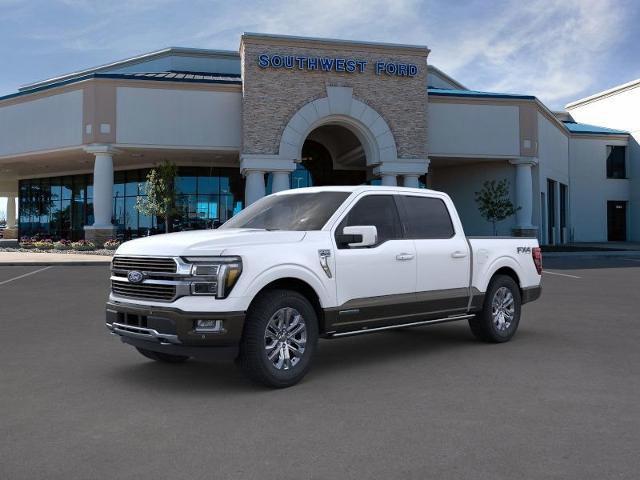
(443, 254)
(372, 281)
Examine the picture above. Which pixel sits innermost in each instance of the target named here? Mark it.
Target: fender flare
(496, 265)
(288, 270)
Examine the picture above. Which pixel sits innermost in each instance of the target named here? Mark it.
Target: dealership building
(287, 112)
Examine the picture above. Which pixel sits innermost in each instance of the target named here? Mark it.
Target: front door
(617, 221)
(374, 284)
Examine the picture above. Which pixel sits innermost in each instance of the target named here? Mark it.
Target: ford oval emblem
(135, 276)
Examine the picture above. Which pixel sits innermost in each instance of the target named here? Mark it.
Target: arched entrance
(333, 155)
(337, 139)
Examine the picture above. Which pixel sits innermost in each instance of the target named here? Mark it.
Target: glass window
(301, 177)
(304, 211)
(210, 185)
(131, 185)
(616, 161)
(186, 184)
(67, 188)
(379, 211)
(119, 179)
(425, 217)
(131, 217)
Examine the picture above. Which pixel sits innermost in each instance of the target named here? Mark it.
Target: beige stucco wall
(272, 96)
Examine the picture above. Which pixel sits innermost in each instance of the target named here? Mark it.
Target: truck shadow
(332, 355)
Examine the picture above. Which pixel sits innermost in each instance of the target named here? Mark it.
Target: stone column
(280, 181)
(254, 188)
(524, 197)
(11, 211)
(409, 169)
(102, 228)
(411, 181)
(389, 179)
(254, 166)
(11, 232)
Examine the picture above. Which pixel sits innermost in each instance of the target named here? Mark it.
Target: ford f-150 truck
(320, 262)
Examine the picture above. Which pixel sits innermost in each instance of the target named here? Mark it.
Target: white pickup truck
(316, 262)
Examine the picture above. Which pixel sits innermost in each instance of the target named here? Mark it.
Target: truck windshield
(300, 211)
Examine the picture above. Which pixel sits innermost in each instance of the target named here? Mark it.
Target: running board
(402, 325)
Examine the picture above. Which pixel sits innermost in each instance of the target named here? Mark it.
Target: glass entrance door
(617, 221)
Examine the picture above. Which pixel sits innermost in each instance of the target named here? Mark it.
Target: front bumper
(172, 330)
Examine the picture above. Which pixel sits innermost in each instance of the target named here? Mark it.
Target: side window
(425, 217)
(379, 211)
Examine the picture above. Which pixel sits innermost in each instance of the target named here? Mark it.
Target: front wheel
(279, 338)
(500, 315)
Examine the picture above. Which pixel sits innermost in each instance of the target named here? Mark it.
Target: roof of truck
(355, 188)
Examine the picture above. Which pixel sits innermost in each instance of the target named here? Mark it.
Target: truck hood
(205, 242)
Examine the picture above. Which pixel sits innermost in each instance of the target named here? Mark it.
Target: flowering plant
(26, 242)
(83, 245)
(46, 244)
(112, 244)
(62, 245)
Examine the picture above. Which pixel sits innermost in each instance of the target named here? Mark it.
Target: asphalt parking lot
(562, 400)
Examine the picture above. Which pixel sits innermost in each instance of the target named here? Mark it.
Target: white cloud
(554, 49)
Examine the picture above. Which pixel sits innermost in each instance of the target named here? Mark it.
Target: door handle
(402, 257)
(459, 254)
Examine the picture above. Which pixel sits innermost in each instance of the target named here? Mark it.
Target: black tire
(162, 357)
(253, 357)
(483, 325)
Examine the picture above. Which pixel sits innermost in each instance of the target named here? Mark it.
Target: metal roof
(176, 75)
(575, 127)
(186, 77)
(444, 92)
(145, 57)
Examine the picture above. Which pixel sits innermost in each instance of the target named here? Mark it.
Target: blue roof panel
(444, 92)
(575, 127)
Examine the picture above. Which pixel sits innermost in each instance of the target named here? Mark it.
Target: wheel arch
(503, 266)
(300, 286)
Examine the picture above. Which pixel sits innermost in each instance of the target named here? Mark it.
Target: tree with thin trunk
(494, 203)
(160, 193)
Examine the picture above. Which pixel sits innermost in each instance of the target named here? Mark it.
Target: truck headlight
(214, 275)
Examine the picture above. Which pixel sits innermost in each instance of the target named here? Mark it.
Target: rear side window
(379, 211)
(425, 217)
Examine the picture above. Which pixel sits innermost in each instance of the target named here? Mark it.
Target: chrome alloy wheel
(285, 338)
(503, 309)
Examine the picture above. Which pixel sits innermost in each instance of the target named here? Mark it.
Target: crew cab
(310, 263)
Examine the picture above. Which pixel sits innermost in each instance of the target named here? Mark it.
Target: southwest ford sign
(331, 64)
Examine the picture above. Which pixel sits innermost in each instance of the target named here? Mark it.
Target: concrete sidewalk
(45, 259)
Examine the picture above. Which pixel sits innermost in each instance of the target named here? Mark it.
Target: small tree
(160, 200)
(494, 203)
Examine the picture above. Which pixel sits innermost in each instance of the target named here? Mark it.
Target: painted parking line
(561, 274)
(25, 275)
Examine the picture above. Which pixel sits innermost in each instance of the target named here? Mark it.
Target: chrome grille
(149, 291)
(145, 264)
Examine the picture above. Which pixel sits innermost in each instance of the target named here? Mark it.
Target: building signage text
(335, 64)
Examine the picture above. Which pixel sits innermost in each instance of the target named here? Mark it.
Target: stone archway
(340, 108)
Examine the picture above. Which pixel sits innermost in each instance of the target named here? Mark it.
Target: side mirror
(358, 236)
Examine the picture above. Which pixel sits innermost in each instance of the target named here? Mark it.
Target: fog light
(210, 326)
(209, 288)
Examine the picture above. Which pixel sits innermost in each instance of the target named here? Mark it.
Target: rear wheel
(279, 338)
(500, 315)
(162, 357)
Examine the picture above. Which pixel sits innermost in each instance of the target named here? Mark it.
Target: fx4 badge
(524, 249)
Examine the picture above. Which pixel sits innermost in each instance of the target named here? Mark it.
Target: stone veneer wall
(271, 96)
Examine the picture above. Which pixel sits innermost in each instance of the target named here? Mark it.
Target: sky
(558, 50)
